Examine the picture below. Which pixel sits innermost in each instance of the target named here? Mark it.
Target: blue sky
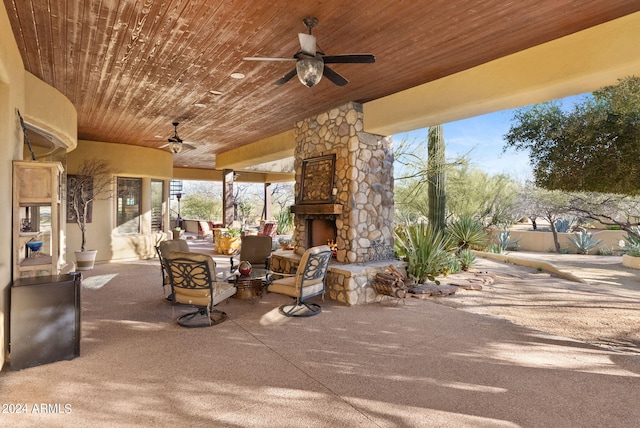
(482, 138)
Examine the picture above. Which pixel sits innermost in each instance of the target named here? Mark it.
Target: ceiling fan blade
(307, 44)
(284, 79)
(334, 76)
(349, 59)
(257, 58)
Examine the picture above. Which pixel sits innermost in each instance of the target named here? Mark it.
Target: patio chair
(204, 229)
(193, 282)
(163, 249)
(255, 249)
(269, 228)
(307, 282)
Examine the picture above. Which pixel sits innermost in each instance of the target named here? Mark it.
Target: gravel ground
(603, 311)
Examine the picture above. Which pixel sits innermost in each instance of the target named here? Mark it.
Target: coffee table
(250, 286)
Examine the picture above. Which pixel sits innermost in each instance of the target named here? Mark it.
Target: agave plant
(564, 225)
(584, 241)
(504, 241)
(285, 222)
(426, 251)
(631, 243)
(468, 233)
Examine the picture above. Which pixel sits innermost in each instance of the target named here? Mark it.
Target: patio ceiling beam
(243, 177)
(267, 150)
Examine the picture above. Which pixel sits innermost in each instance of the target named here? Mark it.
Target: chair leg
(202, 318)
(300, 309)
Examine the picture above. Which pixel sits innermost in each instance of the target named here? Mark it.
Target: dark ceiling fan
(175, 143)
(311, 62)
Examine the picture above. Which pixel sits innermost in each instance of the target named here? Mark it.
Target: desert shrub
(606, 251)
(466, 259)
(468, 233)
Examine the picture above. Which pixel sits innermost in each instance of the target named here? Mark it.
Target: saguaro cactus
(436, 176)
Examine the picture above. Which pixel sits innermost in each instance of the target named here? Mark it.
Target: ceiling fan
(311, 62)
(175, 143)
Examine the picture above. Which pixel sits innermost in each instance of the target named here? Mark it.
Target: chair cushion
(188, 296)
(168, 246)
(287, 286)
(222, 291)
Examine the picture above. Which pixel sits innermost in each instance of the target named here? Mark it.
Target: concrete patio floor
(418, 364)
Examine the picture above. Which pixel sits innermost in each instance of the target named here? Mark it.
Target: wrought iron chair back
(193, 283)
(163, 249)
(307, 282)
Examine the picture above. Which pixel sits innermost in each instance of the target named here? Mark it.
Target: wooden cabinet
(37, 193)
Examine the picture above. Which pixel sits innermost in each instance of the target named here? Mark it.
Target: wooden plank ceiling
(131, 67)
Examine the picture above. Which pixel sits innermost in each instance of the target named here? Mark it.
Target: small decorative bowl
(244, 268)
(34, 245)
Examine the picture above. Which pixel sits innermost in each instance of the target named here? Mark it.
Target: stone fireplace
(344, 188)
(344, 177)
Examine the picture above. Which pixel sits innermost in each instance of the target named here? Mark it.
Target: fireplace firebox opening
(320, 232)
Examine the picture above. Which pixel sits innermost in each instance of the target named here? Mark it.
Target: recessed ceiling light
(237, 75)
(199, 105)
(215, 92)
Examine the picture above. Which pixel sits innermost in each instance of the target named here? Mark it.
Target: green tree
(490, 199)
(548, 204)
(200, 206)
(595, 147)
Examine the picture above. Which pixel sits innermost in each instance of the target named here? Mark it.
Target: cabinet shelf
(37, 188)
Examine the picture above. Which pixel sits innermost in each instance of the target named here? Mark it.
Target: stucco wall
(11, 98)
(102, 235)
(543, 241)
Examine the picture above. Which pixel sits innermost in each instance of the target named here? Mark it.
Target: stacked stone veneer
(363, 180)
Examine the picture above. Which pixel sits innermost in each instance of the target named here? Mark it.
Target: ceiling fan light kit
(175, 142)
(309, 71)
(311, 63)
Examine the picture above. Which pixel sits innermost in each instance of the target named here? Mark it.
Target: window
(157, 198)
(129, 199)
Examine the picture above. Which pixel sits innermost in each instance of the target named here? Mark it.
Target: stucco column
(266, 211)
(227, 197)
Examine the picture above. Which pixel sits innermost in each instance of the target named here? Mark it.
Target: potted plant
(230, 241)
(286, 243)
(177, 232)
(93, 181)
(630, 247)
